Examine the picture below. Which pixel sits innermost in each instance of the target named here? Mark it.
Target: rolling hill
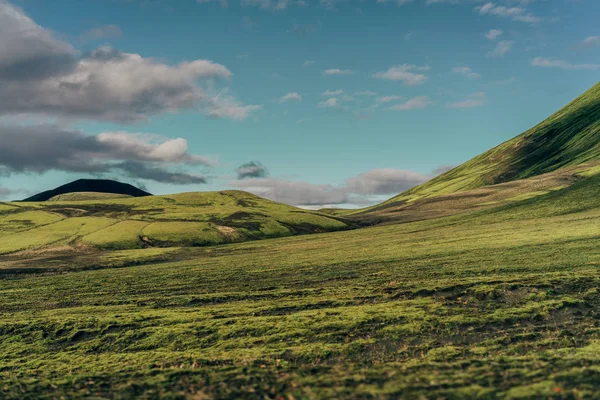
(89, 186)
(186, 219)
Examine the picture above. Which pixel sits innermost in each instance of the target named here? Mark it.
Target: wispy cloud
(329, 103)
(503, 47)
(366, 93)
(407, 74)
(561, 64)
(591, 41)
(388, 99)
(290, 96)
(474, 100)
(466, 71)
(413, 104)
(493, 34)
(103, 32)
(514, 13)
(277, 5)
(337, 71)
(332, 93)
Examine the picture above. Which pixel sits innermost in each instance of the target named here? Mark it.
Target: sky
(307, 102)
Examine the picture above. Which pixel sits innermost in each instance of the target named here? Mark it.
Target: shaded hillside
(90, 185)
(186, 219)
(569, 137)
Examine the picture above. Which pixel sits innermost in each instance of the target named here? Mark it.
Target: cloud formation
(561, 64)
(356, 190)
(41, 148)
(337, 71)
(329, 103)
(388, 99)
(252, 169)
(515, 13)
(466, 71)
(290, 96)
(591, 41)
(493, 34)
(413, 104)
(332, 93)
(103, 32)
(42, 75)
(404, 73)
(503, 47)
(475, 100)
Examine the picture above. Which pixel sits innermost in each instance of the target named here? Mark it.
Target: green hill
(186, 219)
(569, 137)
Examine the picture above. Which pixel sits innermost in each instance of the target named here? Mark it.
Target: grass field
(498, 303)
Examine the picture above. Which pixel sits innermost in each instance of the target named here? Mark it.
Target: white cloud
(223, 3)
(405, 74)
(493, 34)
(466, 71)
(514, 13)
(337, 71)
(397, 2)
(355, 190)
(476, 100)
(308, 63)
(366, 93)
(290, 96)
(503, 47)
(412, 104)
(549, 63)
(388, 99)
(103, 32)
(40, 75)
(277, 5)
(332, 93)
(40, 148)
(591, 41)
(329, 103)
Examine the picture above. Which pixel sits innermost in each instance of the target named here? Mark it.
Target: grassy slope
(502, 303)
(569, 137)
(82, 196)
(468, 201)
(187, 219)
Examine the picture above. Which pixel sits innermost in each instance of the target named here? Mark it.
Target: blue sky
(333, 102)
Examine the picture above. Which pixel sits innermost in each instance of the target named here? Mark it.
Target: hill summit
(90, 185)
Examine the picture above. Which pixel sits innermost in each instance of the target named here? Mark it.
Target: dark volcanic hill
(91, 185)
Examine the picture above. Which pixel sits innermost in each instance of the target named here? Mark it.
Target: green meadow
(498, 303)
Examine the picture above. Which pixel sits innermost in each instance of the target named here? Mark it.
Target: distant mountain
(569, 137)
(90, 185)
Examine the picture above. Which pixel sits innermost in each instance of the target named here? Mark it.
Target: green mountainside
(569, 137)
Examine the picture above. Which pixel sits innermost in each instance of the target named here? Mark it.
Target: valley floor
(502, 303)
